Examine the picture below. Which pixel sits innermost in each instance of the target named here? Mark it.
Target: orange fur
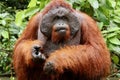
(89, 60)
(92, 58)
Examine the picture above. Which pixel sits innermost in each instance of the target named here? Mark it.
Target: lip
(60, 29)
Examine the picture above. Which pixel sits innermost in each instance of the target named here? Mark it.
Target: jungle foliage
(14, 16)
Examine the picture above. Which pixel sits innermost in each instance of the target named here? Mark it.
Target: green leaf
(111, 3)
(42, 4)
(12, 78)
(115, 59)
(3, 22)
(114, 48)
(3, 15)
(116, 19)
(111, 35)
(114, 40)
(101, 17)
(47, 1)
(117, 11)
(94, 3)
(112, 29)
(117, 49)
(19, 17)
(111, 46)
(32, 3)
(100, 24)
(31, 11)
(5, 34)
(118, 75)
(105, 11)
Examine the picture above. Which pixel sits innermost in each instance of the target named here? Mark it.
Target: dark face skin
(60, 26)
(59, 17)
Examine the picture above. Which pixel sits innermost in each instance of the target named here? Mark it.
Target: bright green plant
(8, 34)
(33, 7)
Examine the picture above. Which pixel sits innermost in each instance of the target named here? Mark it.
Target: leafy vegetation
(105, 12)
(6, 38)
